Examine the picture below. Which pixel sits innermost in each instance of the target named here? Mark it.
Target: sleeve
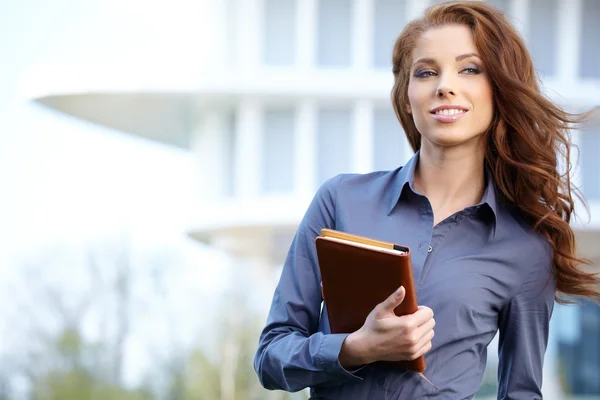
(524, 325)
(291, 354)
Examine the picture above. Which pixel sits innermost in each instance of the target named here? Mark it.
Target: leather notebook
(357, 274)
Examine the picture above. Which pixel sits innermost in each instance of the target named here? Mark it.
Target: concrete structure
(274, 96)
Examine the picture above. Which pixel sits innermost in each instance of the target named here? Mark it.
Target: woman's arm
(291, 354)
(524, 324)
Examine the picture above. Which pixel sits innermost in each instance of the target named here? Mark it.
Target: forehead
(445, 41)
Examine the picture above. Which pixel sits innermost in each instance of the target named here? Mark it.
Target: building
(275, 96)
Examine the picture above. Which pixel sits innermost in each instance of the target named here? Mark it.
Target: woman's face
(449, 92)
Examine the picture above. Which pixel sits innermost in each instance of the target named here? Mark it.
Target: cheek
(486, 99)
(415, 98)
(487, 103)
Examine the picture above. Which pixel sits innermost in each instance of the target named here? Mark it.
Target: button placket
(445, 228)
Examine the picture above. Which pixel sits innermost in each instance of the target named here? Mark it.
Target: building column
(362, 35)
(519, 16)
(306, 26)
(569, 34)
(248, 25)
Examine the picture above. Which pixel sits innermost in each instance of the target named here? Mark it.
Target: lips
(448, 113)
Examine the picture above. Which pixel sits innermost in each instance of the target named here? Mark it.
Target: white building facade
(283, 94)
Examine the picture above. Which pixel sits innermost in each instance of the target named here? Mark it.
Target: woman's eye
(424, 74)
(472, 71)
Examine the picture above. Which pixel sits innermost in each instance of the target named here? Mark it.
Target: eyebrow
(458, 58)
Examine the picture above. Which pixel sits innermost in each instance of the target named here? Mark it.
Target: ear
(408, 109)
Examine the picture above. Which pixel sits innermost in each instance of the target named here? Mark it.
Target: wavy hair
(528, 141)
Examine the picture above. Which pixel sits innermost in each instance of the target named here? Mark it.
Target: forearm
(524, 328)
(291, 362)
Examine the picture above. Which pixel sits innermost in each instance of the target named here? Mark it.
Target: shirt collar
(406, 177)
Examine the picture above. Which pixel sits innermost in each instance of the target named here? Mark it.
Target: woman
(483, 208)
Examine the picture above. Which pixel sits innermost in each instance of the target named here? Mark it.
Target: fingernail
(399, 291)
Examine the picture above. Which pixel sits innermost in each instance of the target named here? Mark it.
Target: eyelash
(421, 74)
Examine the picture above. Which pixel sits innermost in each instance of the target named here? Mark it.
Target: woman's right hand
(387, 337)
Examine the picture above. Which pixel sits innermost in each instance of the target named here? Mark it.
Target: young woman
(484, 208)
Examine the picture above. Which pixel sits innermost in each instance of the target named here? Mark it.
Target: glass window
(278, 150)
(502, 5)
(543, 23)
(334, 137)
(590, 38)
(388, 140)
(279, 33)
(389, 19)
(334, 32)
(589, 146)
(591, 355)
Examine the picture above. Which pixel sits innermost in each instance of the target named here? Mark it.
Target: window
(334, 33)
(279, 33)
(389, 20)
(388, 140)
(334, 136)
(278, 150)
(501, 5)
(543, 22)
(581, 359)
(590, 35)
(589, 145)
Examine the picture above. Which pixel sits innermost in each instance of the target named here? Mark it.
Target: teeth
(452, 111)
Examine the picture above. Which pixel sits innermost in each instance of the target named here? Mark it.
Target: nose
(445, 92)
(445, 87)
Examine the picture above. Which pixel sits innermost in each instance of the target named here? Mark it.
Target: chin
(452, 138)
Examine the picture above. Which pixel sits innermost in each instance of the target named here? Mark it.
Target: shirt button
(430, 249)
(380, 381)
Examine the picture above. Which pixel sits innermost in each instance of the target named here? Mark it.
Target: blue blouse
(480, 270)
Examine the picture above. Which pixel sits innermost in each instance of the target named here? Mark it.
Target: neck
(451, 178)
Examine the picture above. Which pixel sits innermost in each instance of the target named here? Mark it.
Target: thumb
(394, 300)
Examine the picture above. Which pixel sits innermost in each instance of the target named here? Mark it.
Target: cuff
(328, 356)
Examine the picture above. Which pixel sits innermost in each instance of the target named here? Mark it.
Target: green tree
(230, 374)
(60, 363)
(74, 377)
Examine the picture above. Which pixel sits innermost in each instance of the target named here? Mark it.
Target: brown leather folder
(357, 274)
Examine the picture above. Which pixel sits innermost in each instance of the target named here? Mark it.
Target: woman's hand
(387, 337)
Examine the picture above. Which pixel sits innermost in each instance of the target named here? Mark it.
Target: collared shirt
(480, 270)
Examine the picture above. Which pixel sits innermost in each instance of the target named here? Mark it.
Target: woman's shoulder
(355, 182)
(359, 191)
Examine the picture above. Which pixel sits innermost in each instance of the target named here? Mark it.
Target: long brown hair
(528, 139)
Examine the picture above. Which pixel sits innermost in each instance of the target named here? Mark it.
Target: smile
(446, 114)
(452, 111)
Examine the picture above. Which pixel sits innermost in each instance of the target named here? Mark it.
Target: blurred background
(156, 158)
